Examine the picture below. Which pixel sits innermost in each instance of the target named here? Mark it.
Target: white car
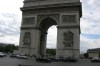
(22, 57)
(2, 54)
(95, 59)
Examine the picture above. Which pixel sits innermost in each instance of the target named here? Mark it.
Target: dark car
(70, 59)
(96, 59)
(61, 59)
(46, 60)
(53, 59)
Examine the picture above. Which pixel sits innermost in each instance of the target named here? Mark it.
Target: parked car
(22, 57)
(61, 59)
(2, 54)
(95, 59)
(71, 59)
(53, 59)
(13, 55)
(46, 60)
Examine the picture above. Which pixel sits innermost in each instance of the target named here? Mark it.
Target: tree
(86, 55)
(2, 48)
(51, 51)
(8, 48)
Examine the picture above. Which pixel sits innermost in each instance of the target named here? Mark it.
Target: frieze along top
(34, 0)
(50, 0)
(28, 3)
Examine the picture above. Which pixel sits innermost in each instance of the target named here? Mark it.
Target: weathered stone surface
(39, 15)
(28, 3)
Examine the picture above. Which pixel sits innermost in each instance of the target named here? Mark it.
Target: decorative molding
(78, 4)
(33, 1)
(68, 49)
(29, 21)
(69, 27)
(27, 38)
(68, 39)
(26, 47)
(29, 28)
(65, 27)
(68, 19)
(41, 17)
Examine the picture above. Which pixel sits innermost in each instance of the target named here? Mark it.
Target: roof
(93, 50)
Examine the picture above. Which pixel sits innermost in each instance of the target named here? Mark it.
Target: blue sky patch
(91, 36)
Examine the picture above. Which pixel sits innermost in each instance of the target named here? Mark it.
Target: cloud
(90, 25)
(9, 39)
(91, 2)
(9, 28)
(90, 19)
(10, 6)
(9, 24)
(10, 21)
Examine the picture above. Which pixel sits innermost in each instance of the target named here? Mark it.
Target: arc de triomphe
(39, 15)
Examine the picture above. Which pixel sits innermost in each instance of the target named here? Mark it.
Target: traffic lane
(7, 61)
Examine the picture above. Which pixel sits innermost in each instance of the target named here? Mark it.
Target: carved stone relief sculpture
(68, 18)
(27, 38)
(68, 39)
(29, 20)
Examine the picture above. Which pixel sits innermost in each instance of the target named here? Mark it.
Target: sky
(11, 16)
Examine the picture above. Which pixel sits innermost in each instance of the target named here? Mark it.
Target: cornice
(64, 27)
(76, 4)
(29, 28)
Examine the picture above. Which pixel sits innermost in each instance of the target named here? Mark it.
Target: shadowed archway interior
(44, 26)
(46, 23)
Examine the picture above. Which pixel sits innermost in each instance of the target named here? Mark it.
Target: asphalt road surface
(7, 61)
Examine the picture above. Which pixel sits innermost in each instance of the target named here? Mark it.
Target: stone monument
(39, 15)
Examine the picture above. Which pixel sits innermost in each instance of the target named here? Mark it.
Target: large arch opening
(44, 26)
(51, 44)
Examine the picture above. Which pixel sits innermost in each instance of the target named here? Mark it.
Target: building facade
(92, 53)
(39, 15)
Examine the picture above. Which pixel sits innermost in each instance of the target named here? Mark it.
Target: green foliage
(99, 55)
(51, 52)
(2, 48)
(86, 55)
(8, 48)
